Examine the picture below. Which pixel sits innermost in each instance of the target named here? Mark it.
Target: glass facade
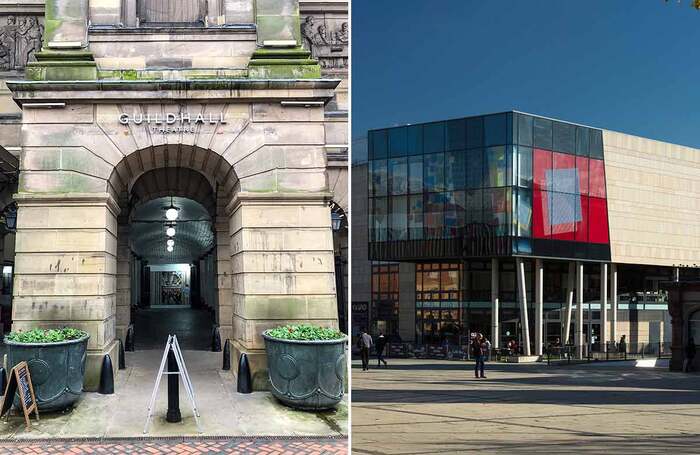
(495, 185)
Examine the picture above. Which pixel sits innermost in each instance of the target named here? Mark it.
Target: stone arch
(175, 170)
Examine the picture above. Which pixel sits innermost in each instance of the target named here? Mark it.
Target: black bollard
(216, 340)
(122, 357)
(106, 376)
(227, 355)
(130, 338)
(244, 382)
(3, 381)
(173, 414)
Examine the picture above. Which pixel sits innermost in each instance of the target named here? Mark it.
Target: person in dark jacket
(478, 348)
(622, 345)
(689, 355)
(379, 346)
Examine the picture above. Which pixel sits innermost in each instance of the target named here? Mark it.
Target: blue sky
(624, 65)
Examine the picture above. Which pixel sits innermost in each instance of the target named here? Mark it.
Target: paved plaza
(432, 406)
(224, 412)
(190, 446)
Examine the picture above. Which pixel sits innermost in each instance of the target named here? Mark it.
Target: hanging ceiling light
(171, 211)
(170, 231)
(170, 249)
(170, 243)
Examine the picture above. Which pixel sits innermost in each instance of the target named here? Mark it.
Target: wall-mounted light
(170, 231)
(170, 242)
(170, 248)
(171, 211)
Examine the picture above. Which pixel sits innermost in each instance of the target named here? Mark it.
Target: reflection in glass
(524, 221)
(450, 218)
(379, 178)
(455, 171)
(415, 216)
(434, 172)
(398, 176)
(524, 129)
(415, 174)
(524, 166)
(398, 226)
(542, 128)
(475, 132)
(474, 207)
(433, 220)
(378, 144)
(379, 222)
(475, 168)
(496, 166)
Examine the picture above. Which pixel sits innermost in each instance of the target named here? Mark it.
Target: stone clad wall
(653, 200)
(274, 256)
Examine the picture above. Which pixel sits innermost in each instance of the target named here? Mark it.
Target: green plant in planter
(46, 336)
(304, 332)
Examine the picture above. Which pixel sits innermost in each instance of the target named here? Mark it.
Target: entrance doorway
(173, 273)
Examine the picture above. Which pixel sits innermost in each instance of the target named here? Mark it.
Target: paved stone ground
(193, 446)
(432, 406)
(224, 412)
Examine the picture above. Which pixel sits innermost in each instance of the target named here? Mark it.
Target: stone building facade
(222, 102)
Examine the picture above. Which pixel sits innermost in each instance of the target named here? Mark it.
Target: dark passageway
(192, 327)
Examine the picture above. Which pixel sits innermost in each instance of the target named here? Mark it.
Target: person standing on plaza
(379, 346)
(689, 355)
(365, 342)
(478, 346)
(622, 346)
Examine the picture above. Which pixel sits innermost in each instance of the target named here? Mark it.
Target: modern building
(524, 228)
(188, 155)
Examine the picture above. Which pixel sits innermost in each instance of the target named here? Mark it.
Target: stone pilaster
(283, 269)
(123, 281)
(224, 278)
(66, 269)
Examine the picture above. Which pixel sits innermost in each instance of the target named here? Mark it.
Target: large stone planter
(308, 375)
(57, 370)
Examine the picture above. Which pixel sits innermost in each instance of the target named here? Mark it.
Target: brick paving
(190, 446)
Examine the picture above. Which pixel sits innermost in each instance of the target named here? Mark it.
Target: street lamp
(336, 221)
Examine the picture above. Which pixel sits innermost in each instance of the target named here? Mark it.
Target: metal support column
(539, 305)
(604, 307)
(495, 329)
(522, 293)
(613, 295)
(578, 339)
(569, 302)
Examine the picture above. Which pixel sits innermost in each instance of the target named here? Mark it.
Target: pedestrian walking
(379, 346)
(689, 355)
(487, 355)
(478, 348)
(364, 342)
(622, 346)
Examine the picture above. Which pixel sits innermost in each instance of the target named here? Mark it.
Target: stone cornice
(274, 198)
(68, 199)
(106, 91)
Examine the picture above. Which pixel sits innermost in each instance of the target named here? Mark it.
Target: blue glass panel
(582, 141)
(475, 132)
(379, 178)
(415, 217)
(398, 142)
(475, 168)
(398, 229)
(524, 129)
(495, 130)
(414, 139)
(596, 145)
(434, 137)
(378, 144)
(542, 129)
(433, 218)
(564, 137)
(455, 135)
(496, 169)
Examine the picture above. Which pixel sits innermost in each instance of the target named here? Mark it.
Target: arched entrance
(256, 164)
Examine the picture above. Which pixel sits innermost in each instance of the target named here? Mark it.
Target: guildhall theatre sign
(172, 123)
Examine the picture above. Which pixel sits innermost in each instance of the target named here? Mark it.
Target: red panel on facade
(598, 216)
(542, 162)
(582, 168)
(596, 178)
(582, 226)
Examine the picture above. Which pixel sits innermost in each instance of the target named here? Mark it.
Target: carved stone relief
(327, 38)
(20, 37)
